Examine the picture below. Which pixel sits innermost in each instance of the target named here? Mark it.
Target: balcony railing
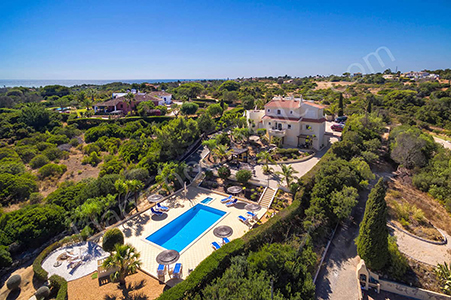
(277, 132)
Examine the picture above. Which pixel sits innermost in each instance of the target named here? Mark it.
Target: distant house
(388, 76)
(120, 104)
(420, 75)
(295, 120)
(166, 97)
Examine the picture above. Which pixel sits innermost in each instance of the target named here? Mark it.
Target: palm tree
(122, 189)
(265, 157)
(126, 259)
(175, 108)
(221, 152)
(287, 172)
(135, 186)
(130, 97)
(211, 145)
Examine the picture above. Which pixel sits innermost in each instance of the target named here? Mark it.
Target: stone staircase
(267, 197)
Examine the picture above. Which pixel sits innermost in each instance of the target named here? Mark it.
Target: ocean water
(39, 83)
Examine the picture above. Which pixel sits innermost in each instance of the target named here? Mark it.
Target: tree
(344, 201)
(340, 105)
(135, 186)
(369, 100)
(111, 238)
(206, 123)
(122, 189)
(38, 117)
(90, 210)
(189, 108)
(221, 152)
(287, 173)
(215, 110)
(229, 85)
(248, 102)
(224, 172)
(372, 242)
(243, 176)
(265, 157)
(130, 97)
(126, 259)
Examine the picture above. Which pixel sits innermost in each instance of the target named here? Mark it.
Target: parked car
(337, 127)
(341, 119)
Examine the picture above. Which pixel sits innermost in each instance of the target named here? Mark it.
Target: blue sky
(148, 39)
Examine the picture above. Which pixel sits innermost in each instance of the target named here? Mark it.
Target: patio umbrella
(223, 231)
(234, 190)
(155, 198)
(168, 257)
(252, 207)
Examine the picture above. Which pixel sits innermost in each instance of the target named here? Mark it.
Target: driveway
(446, 144)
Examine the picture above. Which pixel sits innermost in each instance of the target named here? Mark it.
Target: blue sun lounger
(225, 240)
(252, 215)
(226, 199)
(161, 270)
(232, 203)
(161, 207)
(177, 270)
(215, 245)
(244, 220)
(158, 213)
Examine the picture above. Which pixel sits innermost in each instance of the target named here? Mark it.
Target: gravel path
(422, 251)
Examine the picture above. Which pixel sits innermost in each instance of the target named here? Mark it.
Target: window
(291, 112)
(278, 111)
(289, 126)
(269, 122)
(269, 110)
(308, 127)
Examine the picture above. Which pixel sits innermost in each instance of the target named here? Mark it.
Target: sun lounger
(161, 208)
(158, 213)
(225, 200)
(215, 245)
(225, 240)
(232, 203)
(244, 220)
(177, 273)
(74, 263)
(161, 270)
(251, 215)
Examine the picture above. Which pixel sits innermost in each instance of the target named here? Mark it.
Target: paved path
(445, 144)
(422, 251)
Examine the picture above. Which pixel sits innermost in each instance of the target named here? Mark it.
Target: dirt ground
(27, 289)
(139, 286)
(322, 85)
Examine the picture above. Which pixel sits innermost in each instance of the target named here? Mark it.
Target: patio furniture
(161, 207)
(161, 270)
(232, 203)
(225, 241)
(244, 220)
(252, 216)
(177, 273)
(168, 257)
(252, 207)
(223, 231)
(158, 213)
(154, 198)
(75, 263)
(225, 200)
(215, 245)
(234, 190)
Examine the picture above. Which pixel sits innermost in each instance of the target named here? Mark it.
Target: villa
(296, 121)
(119, 102)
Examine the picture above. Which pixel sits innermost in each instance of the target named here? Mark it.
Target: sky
(147, 39)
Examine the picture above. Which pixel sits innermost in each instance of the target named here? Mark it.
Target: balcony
(277, 132)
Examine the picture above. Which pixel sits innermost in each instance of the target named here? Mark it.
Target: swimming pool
(206, 200)
(185, 229)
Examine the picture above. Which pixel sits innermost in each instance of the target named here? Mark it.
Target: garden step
(265, 200)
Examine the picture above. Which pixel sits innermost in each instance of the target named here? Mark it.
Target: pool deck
(137, 229)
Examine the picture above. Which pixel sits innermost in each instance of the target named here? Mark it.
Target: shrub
(93, 159)
(59, 284)
(88, 149)
(58, 139)
(13, 282)
(36, 198)
(52, 170)
(209, 174)
(140, 174)
(39, 161)
(74, 142)
(5, 257)
(397, 263)
(42, 293)
(55, 153)
(243, 176)
(111, 238)
(224, 172)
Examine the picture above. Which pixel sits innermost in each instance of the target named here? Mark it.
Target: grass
(94, 275)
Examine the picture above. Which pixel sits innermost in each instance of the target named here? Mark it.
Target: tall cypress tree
(369, 104)
(372, 242)
(340, 105)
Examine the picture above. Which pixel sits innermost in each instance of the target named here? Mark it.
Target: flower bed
(281, 154)
(250, 191)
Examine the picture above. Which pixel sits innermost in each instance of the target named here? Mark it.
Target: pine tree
(369, 105)
(372, 242)
(340, 105)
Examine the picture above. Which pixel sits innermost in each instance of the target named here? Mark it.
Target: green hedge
(86, 123)
(205, 100)
(200, 103)
(287, 151)
(60, 284)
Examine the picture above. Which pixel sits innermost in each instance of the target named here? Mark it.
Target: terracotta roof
(313, 104)
(283, 104)
(313, 120)
(281, 118)
(138, 98)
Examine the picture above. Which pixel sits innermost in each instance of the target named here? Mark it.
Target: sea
(69, 83)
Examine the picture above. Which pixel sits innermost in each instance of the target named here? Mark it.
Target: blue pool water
(186, 228)
(206, 200)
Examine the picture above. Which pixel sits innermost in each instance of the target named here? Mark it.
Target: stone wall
(408, 291)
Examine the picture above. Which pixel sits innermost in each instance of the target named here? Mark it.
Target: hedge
(205, 100)
(60, 284)
(86, 123)
(287, 151)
